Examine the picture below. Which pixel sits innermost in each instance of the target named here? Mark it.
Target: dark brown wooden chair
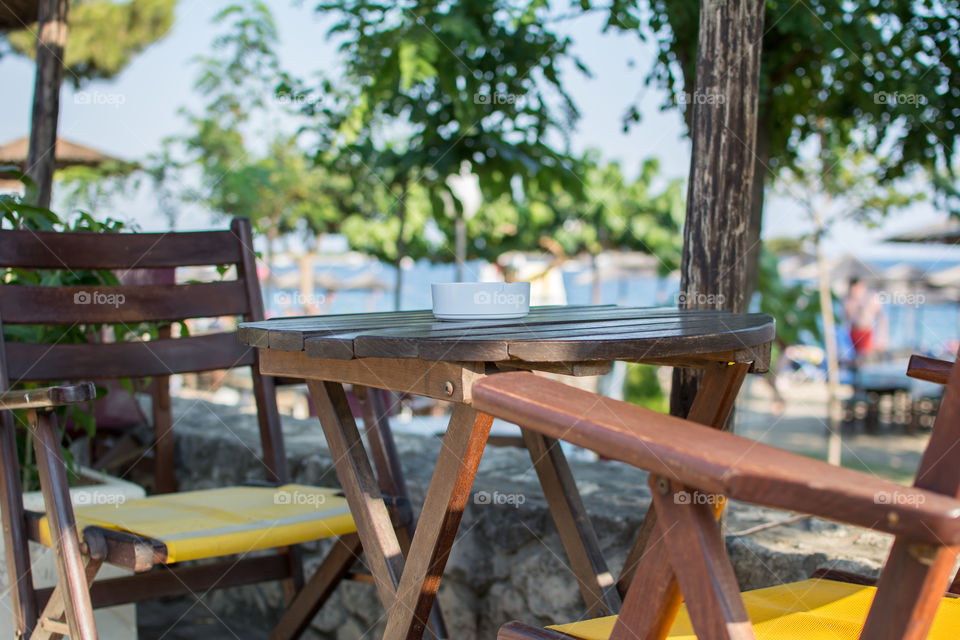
(153, 536)
(684, 586)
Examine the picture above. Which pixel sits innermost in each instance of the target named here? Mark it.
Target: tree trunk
(834, 409)
(761, 175)
(723, 131)
(401, 247)
(51, 40)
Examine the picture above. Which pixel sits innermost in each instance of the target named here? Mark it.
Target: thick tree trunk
(723, 130)
(51, 40)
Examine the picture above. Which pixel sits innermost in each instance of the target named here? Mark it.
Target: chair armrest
(717, 462)
(929, 369)
(47, 397)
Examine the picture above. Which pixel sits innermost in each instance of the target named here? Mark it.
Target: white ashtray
(481, 300)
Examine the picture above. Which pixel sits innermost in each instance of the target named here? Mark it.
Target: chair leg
(16, 546)
(72, 568)
(52, 622)
(909, 591)
(696, 550)
(292, 584)
(318, 588)
(164, 478)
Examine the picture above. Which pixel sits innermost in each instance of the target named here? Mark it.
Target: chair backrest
(133, 304)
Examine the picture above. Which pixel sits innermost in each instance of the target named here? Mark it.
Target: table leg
(443, 508)
(383, 450)
(712, 406)
(380, 545)
(576, 532)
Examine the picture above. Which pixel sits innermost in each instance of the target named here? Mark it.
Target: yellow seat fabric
(219, 522)
(806, 610)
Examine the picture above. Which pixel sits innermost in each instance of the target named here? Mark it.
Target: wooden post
(51, 40)
(723, 130)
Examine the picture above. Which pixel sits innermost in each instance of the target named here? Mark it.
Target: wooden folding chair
(153, 536)
(684, 586)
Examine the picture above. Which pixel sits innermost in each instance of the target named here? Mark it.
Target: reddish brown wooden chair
(684, 586)
(155, 536)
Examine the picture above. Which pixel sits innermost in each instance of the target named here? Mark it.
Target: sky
(129, 116)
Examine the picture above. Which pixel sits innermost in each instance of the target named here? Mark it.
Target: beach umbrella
(946, 277)
(947, 232)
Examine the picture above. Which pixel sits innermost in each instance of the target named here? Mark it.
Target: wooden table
(411, 352)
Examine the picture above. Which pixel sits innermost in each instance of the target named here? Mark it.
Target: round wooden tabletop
(547, 334)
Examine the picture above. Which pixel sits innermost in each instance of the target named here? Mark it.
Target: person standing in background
(864, 315)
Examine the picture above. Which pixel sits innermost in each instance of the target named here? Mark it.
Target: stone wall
(507, 562)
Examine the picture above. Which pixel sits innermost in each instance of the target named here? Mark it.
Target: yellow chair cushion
(807, 610)
(219, 522)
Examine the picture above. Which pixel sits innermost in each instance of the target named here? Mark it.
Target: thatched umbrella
(66, 153)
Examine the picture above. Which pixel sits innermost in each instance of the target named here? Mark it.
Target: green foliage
(615, 214)
(795, 307)
(91, 188)
(608, 212)
(842, 183)
(878, 76)
(103, 36)
(642, 387)
(469, 81)
(432, 87)
(376, 231)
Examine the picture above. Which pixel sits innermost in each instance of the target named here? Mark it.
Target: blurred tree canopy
(247, 164)
(878, 75)
(103, 36)
(433, 87)
(429, 90)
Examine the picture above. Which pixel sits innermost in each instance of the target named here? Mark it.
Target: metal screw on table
(663, 486)
(448, 387)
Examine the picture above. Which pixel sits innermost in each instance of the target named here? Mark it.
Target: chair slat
(31, 362)
(79, 250)
(91, 305)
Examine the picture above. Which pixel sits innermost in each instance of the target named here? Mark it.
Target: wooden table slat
(497, 347)
(288, 334)
(403, 339)
(547, 334)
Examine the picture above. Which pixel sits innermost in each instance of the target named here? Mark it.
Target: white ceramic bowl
(481, 300)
